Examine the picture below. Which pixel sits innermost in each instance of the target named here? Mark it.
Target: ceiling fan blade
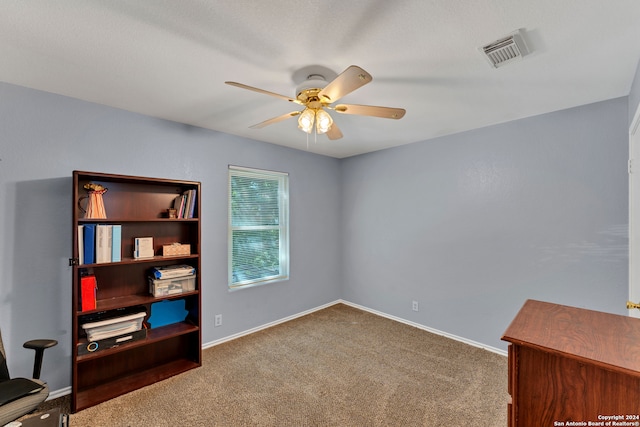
(275, 120)
(371, 110)
(349, 80)
(334, 132)
(266, 92)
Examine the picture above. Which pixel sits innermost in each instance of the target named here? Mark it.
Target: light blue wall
(44, 137)
(471, 225)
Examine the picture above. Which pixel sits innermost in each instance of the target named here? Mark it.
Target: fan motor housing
(309, 89)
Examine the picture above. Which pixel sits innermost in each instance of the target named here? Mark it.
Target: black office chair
(20, 396)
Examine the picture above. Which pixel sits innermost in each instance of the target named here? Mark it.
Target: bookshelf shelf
(154, 260)
(153, 335)
(132, 301)
(112, 220)
(138, 205)
(102, 391)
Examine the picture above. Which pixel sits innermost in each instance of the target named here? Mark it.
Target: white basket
(113, 327)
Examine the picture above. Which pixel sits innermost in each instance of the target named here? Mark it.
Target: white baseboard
(267, 325)
(59, 393)
(67, 390)
(360, 307)
(428, 329)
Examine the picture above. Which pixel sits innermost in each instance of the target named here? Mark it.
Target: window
(258, 227)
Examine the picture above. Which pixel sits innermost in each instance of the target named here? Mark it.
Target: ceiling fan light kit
(315, 94)
(323, 121)
(305, 121)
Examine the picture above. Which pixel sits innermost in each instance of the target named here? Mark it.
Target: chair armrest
(39, 346)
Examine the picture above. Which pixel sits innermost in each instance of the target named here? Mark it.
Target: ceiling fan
(315, 94)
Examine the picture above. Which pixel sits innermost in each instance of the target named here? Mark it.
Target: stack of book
(185, 204)
(99, 243)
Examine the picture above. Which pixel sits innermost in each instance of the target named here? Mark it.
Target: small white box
(174, 285)
(114, 327)
(143, 247)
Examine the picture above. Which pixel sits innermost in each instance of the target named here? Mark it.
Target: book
(183, 204)
(116, 243)
(192, 203)
(178, 205)
(81, 244)
(188, 196)
(103, 243)
(89, 243)
(143, 247)
(88, 287)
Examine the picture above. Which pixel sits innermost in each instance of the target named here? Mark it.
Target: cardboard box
(88, 286)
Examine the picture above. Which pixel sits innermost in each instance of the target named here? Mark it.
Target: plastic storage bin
(114, 327)
(174, 285)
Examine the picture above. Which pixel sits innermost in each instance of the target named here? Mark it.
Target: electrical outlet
(414, 306)
(218, 320)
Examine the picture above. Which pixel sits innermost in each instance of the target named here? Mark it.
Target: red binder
(88, 286)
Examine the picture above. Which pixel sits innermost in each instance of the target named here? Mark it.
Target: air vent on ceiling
(506, 50)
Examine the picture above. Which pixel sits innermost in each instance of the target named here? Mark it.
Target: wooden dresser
(573, 367)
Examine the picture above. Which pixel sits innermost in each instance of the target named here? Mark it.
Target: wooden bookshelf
(140, 206)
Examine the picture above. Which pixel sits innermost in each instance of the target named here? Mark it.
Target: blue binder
(89, 243)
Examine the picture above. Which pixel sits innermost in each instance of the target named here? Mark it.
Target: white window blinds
(258, 227)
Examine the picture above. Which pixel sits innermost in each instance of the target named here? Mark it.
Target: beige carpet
(336, 367)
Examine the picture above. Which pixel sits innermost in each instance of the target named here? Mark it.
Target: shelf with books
(139, 208)
(101, 242)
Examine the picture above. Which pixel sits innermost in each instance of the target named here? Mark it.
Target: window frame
(282, 178)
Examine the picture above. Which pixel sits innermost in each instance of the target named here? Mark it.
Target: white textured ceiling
(169, 59)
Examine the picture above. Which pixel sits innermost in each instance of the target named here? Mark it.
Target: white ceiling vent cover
(506, 50)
